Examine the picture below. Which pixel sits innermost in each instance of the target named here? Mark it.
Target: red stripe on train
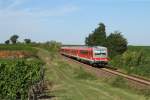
(100, 59)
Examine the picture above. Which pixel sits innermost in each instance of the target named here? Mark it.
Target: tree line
(115, 42)
(14, 38)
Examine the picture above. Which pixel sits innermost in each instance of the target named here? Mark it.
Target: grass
(71, 82)
(83, 75)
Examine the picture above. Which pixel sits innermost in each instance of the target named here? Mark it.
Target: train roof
(84, 47)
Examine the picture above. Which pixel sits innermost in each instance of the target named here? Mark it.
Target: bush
(129, 58)
(133, 62)
(133, 58)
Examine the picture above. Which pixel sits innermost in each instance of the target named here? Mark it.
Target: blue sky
(70, 21)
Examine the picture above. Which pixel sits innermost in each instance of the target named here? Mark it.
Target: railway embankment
(71, 81)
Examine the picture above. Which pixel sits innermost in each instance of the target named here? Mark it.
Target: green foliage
(89, 41)
(116, 44)
(14, 38)
(51, 46)
(98, 37)
(27, 41)
(16, 78)
(133, 58)
(7, 42)
(133, 62)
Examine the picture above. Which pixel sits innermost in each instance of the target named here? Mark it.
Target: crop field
(17, 75)
(71, 82)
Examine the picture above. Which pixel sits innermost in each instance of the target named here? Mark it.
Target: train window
(100, 53)
(83, 52)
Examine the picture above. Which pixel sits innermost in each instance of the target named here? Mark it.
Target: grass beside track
(71, 82)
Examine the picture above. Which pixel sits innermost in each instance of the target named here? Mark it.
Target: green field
(145, 49)
(71, 82)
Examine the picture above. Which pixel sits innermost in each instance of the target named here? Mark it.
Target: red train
(94, 55)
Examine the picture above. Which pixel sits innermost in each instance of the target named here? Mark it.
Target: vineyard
(17, 77)
(21, 70)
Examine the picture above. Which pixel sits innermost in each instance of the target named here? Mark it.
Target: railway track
(130, 77)
(136, 79)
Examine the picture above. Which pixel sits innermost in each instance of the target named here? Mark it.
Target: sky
(70, 21)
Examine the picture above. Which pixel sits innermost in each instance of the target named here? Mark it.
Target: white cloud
(11, 9)
(58, 11)
(11, 4)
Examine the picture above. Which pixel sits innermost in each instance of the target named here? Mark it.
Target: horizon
(69, 22)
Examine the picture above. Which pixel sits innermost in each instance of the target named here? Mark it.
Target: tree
(7, 42)
(89, 40)
(116, 44)
(98, 37)
(27, 41)
(14, 38)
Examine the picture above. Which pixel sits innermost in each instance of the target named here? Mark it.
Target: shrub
(133, 62)
(133, 58)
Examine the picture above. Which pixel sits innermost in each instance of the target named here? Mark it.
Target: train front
(100, 55)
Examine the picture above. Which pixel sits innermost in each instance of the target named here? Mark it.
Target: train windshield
(100, 53)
